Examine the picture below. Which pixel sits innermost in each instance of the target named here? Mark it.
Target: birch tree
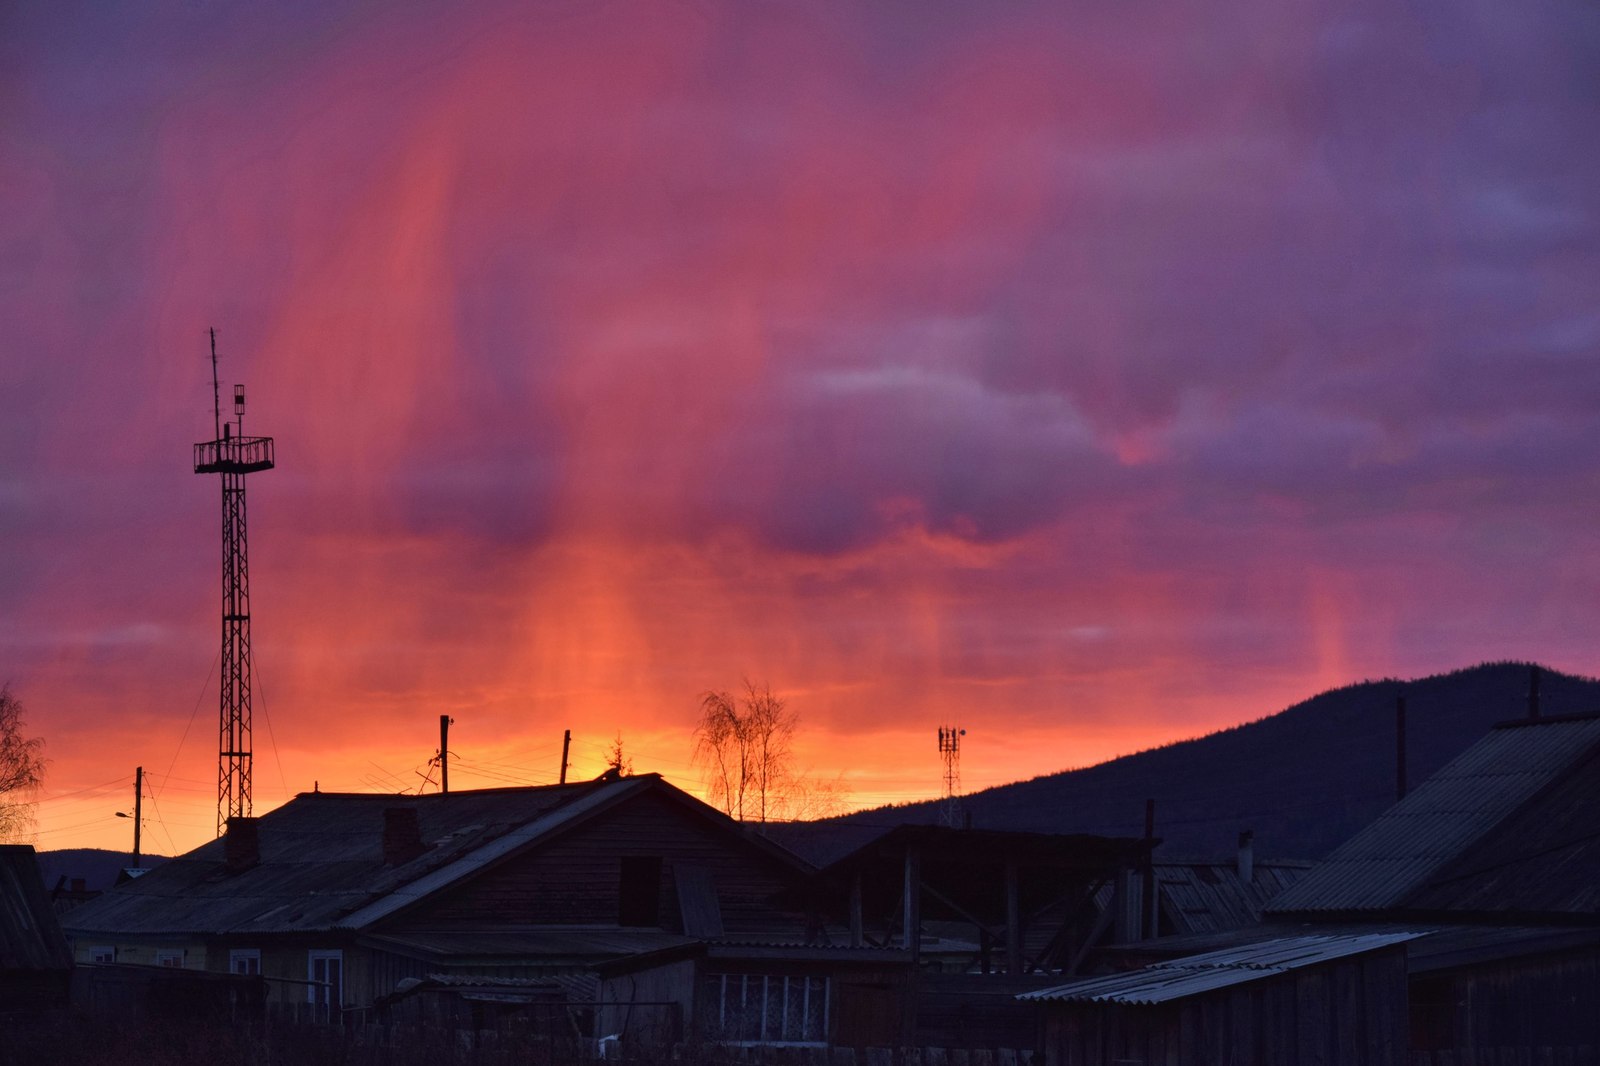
(744, 748)
(21, 769)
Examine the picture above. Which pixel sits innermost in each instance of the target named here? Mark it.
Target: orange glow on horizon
(1068, 377)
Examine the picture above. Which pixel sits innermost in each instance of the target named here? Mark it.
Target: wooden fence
(356, 1041)
(1584, 1055)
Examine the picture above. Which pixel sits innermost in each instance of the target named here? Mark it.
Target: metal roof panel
(1175, 979)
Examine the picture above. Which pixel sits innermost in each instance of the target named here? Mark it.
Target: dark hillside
(1304, 779)
(97, 867)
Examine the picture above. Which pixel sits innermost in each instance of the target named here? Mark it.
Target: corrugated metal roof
(1396, 856)
(322, 862)
(1195, 974)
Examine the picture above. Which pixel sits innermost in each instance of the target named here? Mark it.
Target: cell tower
(950, 750)
(233, 455)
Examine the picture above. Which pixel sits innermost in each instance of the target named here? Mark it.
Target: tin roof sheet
(1196, 974)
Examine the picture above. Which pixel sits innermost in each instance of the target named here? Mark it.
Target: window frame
(172, 958)
(333, 989)
(103, 955)
(792, 984)
(246, 956)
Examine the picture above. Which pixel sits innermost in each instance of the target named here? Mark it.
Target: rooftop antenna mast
(950, 750)
(233, 455)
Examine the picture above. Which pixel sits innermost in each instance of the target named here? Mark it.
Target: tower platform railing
(233, 455)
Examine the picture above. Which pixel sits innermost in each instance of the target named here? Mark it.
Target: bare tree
(744, 747)
(21, 769)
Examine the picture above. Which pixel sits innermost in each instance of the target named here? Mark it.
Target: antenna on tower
(233, 455)
(950, 750)
(216, 393)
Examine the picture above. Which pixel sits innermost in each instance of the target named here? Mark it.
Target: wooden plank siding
(1350, 1012)
(1537, 1001)
(574, 879)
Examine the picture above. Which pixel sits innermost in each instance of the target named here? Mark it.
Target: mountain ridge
(1303, 779)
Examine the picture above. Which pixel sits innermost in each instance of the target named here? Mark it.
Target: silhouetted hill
(1304, 779)
(97, 867)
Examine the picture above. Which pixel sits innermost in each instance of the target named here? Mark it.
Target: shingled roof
(1507, 828)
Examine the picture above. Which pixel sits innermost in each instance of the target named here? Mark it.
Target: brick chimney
(241, 847)
(402, 836)
(1247, 856)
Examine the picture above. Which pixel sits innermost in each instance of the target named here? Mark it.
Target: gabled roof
(322, 866)
(1507, 827)
(1196, 974)
(30, 939)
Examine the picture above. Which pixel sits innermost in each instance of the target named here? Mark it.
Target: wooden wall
(1350, 1012)
(1538, 1001)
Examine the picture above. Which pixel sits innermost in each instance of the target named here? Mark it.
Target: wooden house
(35, 965)
(1497, 854)
(1470, 910)
(344, 901)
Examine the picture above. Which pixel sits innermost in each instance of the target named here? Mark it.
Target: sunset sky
(1088, 373)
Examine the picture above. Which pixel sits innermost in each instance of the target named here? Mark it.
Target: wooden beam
(1095, 933)
(961, 911)
(857, 934)
(1061, 940)
(911, 928)
(1013, 919)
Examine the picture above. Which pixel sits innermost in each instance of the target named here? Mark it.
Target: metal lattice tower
(950, 749)
(233, 455)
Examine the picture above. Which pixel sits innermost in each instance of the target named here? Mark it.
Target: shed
(1316, 998)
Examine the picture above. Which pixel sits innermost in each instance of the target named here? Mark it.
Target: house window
(103, 956)
(174, 959)
(325, 971)
(246, 961)
(764, 1008)
(639, 891)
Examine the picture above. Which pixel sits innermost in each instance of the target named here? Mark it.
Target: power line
(203, 686)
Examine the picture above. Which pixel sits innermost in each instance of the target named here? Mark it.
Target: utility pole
(444, 753)
(138, 811)
(233, 455)
(566, 746)
(1399, 748)
(1151, 919)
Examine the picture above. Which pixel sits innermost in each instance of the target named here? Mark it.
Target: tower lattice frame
(950, 751)
(233, 455)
